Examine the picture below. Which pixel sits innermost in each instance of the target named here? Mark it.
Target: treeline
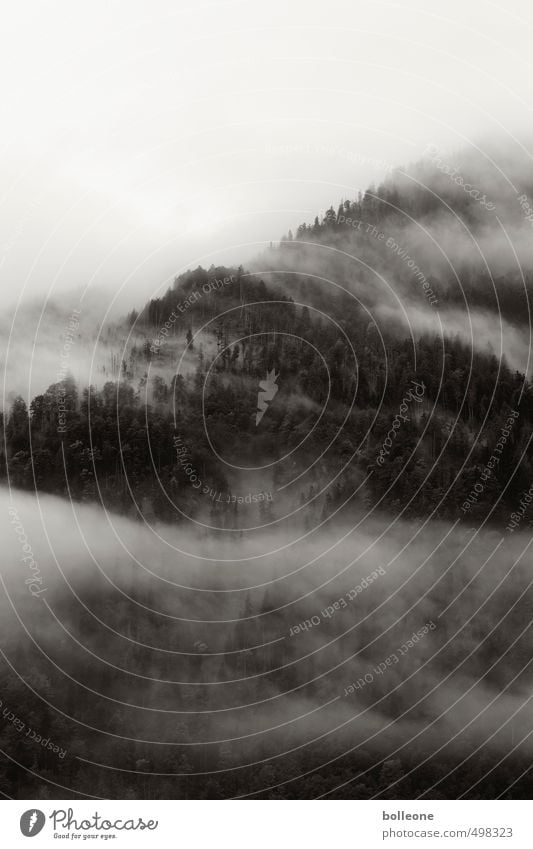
(115, 445)
(408, 207)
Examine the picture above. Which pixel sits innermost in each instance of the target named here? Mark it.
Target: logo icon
(267, 394)
(32, 822)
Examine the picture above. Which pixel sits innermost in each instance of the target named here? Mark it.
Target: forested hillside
(117, 443)
(353, 381)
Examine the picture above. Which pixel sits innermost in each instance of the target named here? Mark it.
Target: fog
(182, 642)
(137, 145)
(43, 341)
(312, 641)
(437, 262)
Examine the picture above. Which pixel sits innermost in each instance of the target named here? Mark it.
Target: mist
(441, 262)
(190, 657)
(266, 469)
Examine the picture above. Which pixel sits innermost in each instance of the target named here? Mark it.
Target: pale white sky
(140, 138)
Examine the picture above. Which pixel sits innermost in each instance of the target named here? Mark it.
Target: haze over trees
(388, 412)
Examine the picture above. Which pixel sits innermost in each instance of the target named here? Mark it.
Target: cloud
(126, 607)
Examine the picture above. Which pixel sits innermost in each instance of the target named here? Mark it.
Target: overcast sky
(142, 138)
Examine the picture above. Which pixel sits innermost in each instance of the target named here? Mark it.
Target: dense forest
(370, 422)
(116, 443)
